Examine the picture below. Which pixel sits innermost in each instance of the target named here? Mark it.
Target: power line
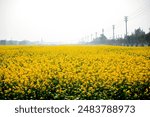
(136, 13)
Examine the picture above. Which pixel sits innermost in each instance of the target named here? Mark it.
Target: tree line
(138, 38)
(14, 42)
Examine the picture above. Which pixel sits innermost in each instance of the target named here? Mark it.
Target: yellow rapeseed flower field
(74, 72)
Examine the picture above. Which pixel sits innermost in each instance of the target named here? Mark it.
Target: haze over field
(67, 21)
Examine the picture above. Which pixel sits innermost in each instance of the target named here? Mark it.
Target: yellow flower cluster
(74, 72)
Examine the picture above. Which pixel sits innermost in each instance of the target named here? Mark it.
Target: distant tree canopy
(138, 38)
(100, 40)
(147, 38)
(14, 42)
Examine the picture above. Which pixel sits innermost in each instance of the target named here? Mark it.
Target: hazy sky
(70, 20)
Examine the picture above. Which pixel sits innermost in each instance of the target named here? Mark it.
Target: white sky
(70, 20)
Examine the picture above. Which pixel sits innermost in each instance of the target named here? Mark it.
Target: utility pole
(113, 31)
(121, 35)
(103, 31)
(95, 35)
(91, 37)
(126, 19)
(41, 40)
(88, 39)
(85, 38)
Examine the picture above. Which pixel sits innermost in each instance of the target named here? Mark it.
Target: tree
(100, 40)
(139, 36)
(147, 39)
(2, 42)
(136, 38)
